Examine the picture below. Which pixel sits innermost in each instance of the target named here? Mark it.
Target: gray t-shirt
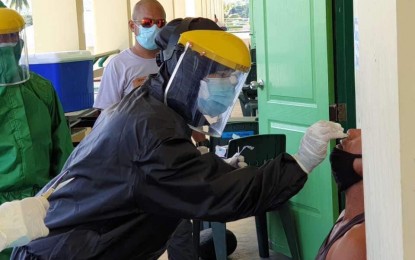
(119, 77)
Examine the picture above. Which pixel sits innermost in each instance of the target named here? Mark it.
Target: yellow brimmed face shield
(14, 68)
(208, 78)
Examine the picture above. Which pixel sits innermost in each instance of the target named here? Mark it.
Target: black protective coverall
(137, 174)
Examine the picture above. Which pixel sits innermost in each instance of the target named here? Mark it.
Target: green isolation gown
(35, 139)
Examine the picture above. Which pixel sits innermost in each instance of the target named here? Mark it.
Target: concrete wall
(111, 25)
(63, 20)
(58, 30)
(385, 94)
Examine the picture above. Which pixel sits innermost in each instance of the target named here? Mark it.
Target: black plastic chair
(266, 147)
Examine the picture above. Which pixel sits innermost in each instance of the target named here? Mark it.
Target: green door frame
(344, 60)
(344, 66)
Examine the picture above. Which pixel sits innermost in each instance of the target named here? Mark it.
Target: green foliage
(28, 19)
(236, 14)
(239, 8)
(233, 16)
(18, 4)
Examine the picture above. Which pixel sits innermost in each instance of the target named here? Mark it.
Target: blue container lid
(59, 57)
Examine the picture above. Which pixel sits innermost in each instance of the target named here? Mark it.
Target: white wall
(111, 25)
(385, 95)
(62, 30)
(55, 25)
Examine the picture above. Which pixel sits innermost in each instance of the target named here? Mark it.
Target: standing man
(35, 140)
(130, 68)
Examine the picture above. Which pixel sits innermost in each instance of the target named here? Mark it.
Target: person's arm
(110, 89)
(180, 182)
(21, 221)
(190, 185)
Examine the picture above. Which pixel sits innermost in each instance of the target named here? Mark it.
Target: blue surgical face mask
(146, 37)
(216, 95)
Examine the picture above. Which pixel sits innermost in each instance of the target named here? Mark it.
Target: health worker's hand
(21, 221)
(313, 147)
(237, 161)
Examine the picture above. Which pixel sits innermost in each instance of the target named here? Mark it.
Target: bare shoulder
(351, 246)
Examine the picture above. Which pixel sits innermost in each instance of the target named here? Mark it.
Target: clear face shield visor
(14, 65)
(204, 90)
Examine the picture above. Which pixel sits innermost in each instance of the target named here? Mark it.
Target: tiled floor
(247, 248)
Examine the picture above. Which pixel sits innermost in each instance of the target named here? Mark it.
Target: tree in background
(21, 6)
(18, 4)
(238, 8)
(236, 14)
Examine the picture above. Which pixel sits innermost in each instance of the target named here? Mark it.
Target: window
(236, 13)
(89, 25)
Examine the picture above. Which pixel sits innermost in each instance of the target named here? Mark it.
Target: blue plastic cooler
(71, 74)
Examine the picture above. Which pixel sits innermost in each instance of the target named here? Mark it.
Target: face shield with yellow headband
(14, 68)
(208, 78)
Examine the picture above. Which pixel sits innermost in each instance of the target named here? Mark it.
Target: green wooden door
(294, 59)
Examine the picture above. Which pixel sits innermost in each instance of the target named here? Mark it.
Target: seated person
(347, 238)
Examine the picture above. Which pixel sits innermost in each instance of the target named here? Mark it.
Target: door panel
(294, 59)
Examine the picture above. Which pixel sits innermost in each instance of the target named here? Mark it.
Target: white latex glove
(313, 146)
(237, 161)
(22, 221)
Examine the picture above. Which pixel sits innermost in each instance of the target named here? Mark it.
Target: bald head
(148, 8)
(146, 13)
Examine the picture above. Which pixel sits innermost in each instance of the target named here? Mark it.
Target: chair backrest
(266, 147)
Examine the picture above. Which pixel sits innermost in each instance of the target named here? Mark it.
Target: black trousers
(180, 246)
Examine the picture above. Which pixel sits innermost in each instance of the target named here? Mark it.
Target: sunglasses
(148, 22)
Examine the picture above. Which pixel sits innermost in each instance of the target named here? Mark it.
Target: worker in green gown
(35, 139)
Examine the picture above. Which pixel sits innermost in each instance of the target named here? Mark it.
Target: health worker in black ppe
(138, 174)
